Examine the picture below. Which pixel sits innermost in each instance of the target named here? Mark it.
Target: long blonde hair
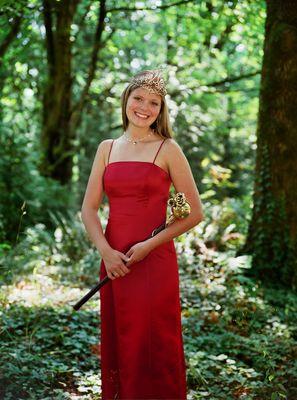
(161, 125)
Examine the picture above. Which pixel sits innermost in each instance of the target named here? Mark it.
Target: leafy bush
(27, 197)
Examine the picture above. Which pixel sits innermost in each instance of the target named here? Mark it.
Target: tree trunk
(60, 117)
(56, 138)
(273, 228)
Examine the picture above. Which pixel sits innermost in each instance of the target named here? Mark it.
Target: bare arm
(93, 198)
(183, 181)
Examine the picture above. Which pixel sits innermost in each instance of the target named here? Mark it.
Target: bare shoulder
(176, 160)
(95, 188)
(103, 149)
(172, 143)
(105, 144)
(173, 150)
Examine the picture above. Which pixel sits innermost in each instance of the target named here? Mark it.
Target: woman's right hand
(114, 265)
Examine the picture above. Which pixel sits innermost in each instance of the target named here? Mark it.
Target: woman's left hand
(137, 252)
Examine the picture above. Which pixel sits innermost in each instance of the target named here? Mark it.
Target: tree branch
(77, 108)
(220, 83)
(15, 27)
(231, 79)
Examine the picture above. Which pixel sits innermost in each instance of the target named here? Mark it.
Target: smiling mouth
(142, 116)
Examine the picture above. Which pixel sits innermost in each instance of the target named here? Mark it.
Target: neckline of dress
(135, 161)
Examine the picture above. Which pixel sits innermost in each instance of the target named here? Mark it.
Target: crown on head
(151, 80)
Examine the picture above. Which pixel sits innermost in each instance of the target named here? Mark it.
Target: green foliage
(65, 253)
(214, 118)
(26, 196)
(67, 339)
(239, 337)
(213, 53)
(12, 7)
(42, 276)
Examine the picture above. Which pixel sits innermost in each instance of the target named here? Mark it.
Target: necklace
(135, 141)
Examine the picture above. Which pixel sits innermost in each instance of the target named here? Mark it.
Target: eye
(155, 104)
(136, 97)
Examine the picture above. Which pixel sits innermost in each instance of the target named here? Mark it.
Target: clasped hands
(113, 260)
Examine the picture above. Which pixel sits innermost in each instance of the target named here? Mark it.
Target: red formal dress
(142, 355)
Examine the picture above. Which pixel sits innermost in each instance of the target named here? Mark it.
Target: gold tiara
(151, 80)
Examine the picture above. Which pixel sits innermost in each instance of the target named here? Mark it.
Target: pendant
(134, 142)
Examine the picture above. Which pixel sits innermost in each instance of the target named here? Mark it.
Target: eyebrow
(142, 97)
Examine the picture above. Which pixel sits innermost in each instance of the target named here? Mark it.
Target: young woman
(142, 355)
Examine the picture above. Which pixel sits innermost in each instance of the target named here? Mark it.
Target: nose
(144, 108)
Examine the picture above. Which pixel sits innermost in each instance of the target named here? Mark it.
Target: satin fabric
(142, 355)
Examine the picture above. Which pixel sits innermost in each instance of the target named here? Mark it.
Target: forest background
(231, 72)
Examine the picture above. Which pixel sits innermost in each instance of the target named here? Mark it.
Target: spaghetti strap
(110, 151)
(158, 151)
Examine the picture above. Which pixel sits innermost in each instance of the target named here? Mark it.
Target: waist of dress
(140, 223)
(140, 217)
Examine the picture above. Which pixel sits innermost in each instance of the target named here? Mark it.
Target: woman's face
(143, 107)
